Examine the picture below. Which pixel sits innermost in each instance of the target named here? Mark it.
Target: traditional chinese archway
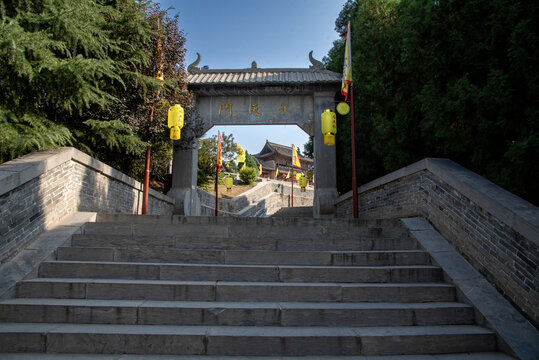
(256, 96)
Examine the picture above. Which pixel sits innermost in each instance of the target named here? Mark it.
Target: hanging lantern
(343, 108)
(303, 183)
(329, 126)
(175, 121)
(229, 182)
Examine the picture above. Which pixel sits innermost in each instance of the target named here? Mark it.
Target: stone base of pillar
(324, 202)
(187, 201)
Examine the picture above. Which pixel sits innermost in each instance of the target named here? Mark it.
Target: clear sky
(230, 34)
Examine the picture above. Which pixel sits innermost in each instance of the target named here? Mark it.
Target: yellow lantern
(329, 126)
(343, 108)
(175, 121)
(228, 183)
(303, 183)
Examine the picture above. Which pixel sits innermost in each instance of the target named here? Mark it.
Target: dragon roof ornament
(316, 66)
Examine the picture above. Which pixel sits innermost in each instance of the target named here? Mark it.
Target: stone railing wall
(39, 189)
(496, 231)
(263, 200)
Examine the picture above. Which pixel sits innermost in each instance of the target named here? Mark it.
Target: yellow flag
(241, 154)
(260, 169)
(295, 157)
(347, 70)
(288, 175)
(276, 172)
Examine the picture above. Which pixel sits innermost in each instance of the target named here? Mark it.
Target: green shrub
(248, 175)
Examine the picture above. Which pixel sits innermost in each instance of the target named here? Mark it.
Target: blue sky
(230, 34)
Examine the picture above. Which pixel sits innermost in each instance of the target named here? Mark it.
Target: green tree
(82, 73)
(308, 148)
(249, 161)
(248, 175)
(449, 79)
(207, 156)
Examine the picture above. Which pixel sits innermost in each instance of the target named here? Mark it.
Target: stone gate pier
(256, 96)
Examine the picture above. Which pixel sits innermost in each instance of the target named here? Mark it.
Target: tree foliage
(249, 161)
(81, 73)
(308, 148)
(248, 175)
(455, 79)
(207, 156)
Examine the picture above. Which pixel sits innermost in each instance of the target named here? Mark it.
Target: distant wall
(263, 200)
(38, 189)
(496, 231)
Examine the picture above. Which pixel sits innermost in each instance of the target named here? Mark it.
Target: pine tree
(81, 73)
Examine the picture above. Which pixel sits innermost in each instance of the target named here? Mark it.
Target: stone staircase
(215, 287)
(296, 212)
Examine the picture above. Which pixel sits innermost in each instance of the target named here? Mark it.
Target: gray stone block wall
(263, 200)
(505, 249)
(39, 189)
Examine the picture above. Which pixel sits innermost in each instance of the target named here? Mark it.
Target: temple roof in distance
(266, 157)
(315, 74)
(281, 149)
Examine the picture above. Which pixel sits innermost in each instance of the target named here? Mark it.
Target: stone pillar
(325, 182)
(184, 179)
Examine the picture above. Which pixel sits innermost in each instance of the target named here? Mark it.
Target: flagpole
(292, 187)
(353, 135)
(146, 180)
(217, 168)
(216, 189)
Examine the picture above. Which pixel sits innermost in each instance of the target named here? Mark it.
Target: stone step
(132, 312)
(224, 272)
(302, 229)
(464, 356)
(253, 257)
(296, 211)
(234, 291)
(246, 221)
(248, 243)
(253, 340)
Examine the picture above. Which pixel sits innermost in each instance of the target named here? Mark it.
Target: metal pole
(353, 135)
(146, 181)
(292, 187)
(216, 190)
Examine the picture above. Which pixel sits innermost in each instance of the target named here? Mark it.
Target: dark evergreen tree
(308, 148)
(249, 161)
(455, 79)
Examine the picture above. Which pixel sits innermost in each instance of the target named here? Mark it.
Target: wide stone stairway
(273, 287)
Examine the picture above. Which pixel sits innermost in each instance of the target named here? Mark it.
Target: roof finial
(316, 65)
(254, 65)
(193, 68)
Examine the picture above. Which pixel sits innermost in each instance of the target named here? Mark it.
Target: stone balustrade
(39, 189)
(496, 231)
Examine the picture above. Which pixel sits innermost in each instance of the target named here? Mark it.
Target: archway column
(325, 182)
(184, 179)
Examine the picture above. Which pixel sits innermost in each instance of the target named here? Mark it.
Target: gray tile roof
(315, 74)
(262, 76)
(286, 150)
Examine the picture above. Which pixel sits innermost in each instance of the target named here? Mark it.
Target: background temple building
(275, 156)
